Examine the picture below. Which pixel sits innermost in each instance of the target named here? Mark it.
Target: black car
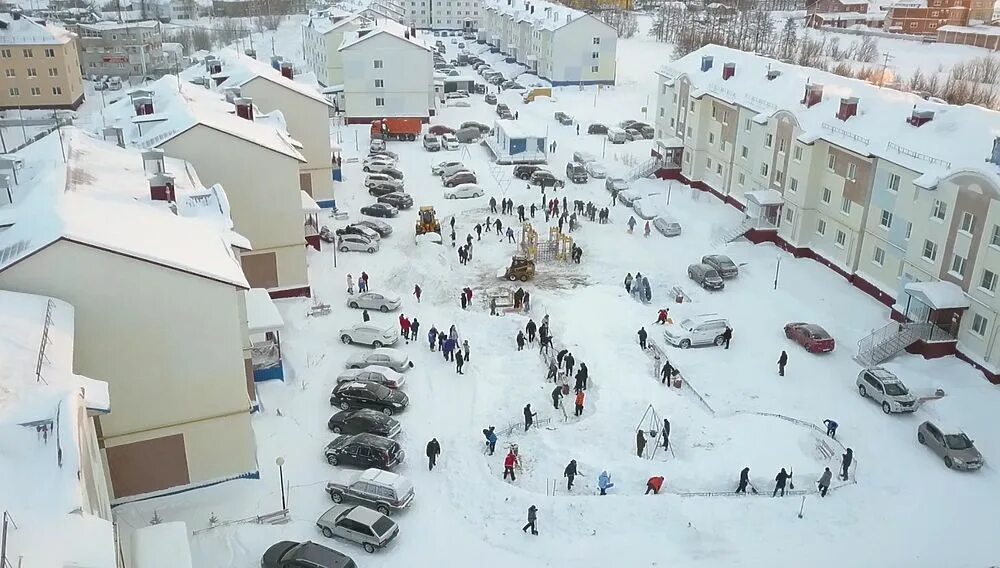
(397, 199)
(563, 118)
(352, 229)
(545, 178)
(497, 80)
(597, 129)
(364, 394)
(502, 107)
(484, 128)
(392, 172)
(290, 554)
(459, 178)
(379, 210)
(382, 228)
(364, 450)
(363, 421)
(524, 171)
(507, 85)
(380, 188)
(491, 99)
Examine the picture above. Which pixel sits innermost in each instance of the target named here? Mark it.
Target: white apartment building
(121, 49)
(463, 15)
(898, 194)
(387, 73)
(560, 44)
(322, 36)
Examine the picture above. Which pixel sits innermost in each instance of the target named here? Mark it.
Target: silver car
(382, 490)
(722, 264)
(957, 449)
(886, 390)
(596, 170)
(356, 242)
(373, 179)
(373, 301)
(373, 374)
(667, 226)
(395, 359)
(371, 529)
(370, 333)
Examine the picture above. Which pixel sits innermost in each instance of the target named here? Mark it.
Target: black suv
(361, 394)
(363, 421)
(364, 450)
(545, 179)
(502, 107)
(290, 554)
(459, 178)
(380, 188)
(597, 129)
(397, 199)
(524, 171)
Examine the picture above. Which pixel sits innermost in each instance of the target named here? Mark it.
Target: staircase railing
(645, 169)
(894, 337)
(729, 236)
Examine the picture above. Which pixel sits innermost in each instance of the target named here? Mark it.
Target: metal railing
(894, 337)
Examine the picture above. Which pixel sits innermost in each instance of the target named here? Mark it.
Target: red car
(811, 336)
(439, 129)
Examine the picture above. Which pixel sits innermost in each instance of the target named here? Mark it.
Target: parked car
(373, 301)
(291, 554)
(464, 191)
(887, 390)
(596, 170)
(648, 132)
(380, 178)
(814, 338)
(958, 451)
(370, 333)
(617, 135)
(502, 107)
(376, 145)
(632, 134)
(439, 129)
(364, 450)
(626, 124)
(597, 128)
(449, 141)
(384, 491)
(383, 229)
(456, 94)
(546, 178)
(379, 210)
(615, 184)
(458, 178)
(393, 172)
(373, 374)
(378, 189)
(576, 172)
(667, 226)
(506, 115)
(629, 196)
(357, 523)
(363, 421)
(647, 208)
(563, 118)
(722, 264)
(468, 135)
(358, 229)
(346, 243)
(387, 153)
(491, 99)
(706, 276)
(387, 357)
(584, 157)
(397, 199)
(483, 128)
(447, 168)
(378, 165)
(379, 159)
(524, 171)
(431, 143)
(496, 80)
(704, 329)
(364, 394)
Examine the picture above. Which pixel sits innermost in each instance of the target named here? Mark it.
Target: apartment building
(39, 65)
(322, 36)
(560, 44)
(133, 49)
(899, 195)
(387, 73)
(443, 14)
(924, 17)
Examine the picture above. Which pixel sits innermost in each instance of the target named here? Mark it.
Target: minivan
(705, 329)
(617, 135)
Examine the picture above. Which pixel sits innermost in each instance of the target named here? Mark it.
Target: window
(995, 238)
(687, 157)
(691, 105)
(939, 210)
(9, 73)
(930, 250)
(671, 123)
(878, 256)
(56, 90)
(988, 281)
(781, 144)
(789, 215)
(594, 68)
(741, 179)
(763, 169)
(5, 53)
(377, 63)
(797, 153)
(968, 222)
(979, 324)
(28, 53)
(718, 169)
(886, 220)
(715, 111)
(379, 83)
(595, 55)
(50, 53)
(597, 41)
(909, 230)
(821, 227)
(32, 72)
(725, 117)
(845, 206)
(827, 194)
(793, 184)
(689, 131)
(840, 239)
(893, 182)
(722, 145)
(708, 163)
(746, 125)
(852, 171)
(14, 92)
(958, 265)
(711, 138)
(35, 91)
(768, 140)
(831, 162)
(661, 112)
(744, 152)
(913, 25)
(379, 101)
(778, 176)
(53, 72)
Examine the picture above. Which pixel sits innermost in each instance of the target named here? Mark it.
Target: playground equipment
(559, 247)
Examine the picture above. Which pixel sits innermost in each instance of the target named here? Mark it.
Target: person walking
(824, 482)
(727, 336)
(845, 463)
(491, 439)
(642, 337)
(433, 451)
(604, 482)
(432, 336)
(779, 482)
(498, 225)
(448, 349)
(557, 394)
(666, 433)
(631, 224)
(553, 371)
(628, 283)
(645, 231)
(350, 284)
(782, 361)
(744, 481)
(529, 417)
(570, 474)
(520, 340)
(493, 205)
(414, 329)
(364, 316)
(654, 484)
(465, 349)
(831, 428)
(578, 403)
(667, 374)
(569, 360)
(463, 301)
(509, 463)
(363, 282)
(459, 361)
(581, 377)
(532, 209)
(640, 443)
(530, 328)
(417, 291)
(532, 515)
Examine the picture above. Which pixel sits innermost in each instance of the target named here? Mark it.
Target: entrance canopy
(938, 295)
(765, 197)
(262, 314)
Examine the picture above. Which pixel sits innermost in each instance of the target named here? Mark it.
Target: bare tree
(866, 50)
(623, 21)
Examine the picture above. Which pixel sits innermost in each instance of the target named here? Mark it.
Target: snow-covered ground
(905, 509)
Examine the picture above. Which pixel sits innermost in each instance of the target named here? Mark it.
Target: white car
(647, 207)
(464, 191)
(447, 167)
(452, 169)
(596, 170)
(459, 103)
(378, 165)
(705, 329)
(628, 196)
(449, 142)
(370, 333)
(379, 158)
(667, 226)
(386, 356)
(371, 180)
(456, 94)
(886, 390)
(373, 301)
(356, 242)
(374, 374)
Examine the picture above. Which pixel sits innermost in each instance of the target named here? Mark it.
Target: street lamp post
(280, 461)
(777, 267)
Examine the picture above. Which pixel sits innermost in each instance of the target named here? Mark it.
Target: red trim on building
(301, 292)
(370, 119)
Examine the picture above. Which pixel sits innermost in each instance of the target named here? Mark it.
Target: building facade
(865, 182)
(924, 17)
(443, 14)
(39, 65)
(322, 36)
(987, 37)
(124, 50)
(387, 73)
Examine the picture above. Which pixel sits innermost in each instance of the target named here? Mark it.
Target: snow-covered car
(459, 103)
(667, 226)
(457, 94)
(886, 390)
(596, 170)
(563, 118)
(647, 207)
(722, 264)
(491, 99)
(373, 374)
(373, 301)
(706, 276)
(386, 356)
(704, 329)
(615, 184)
(584, 157)
(356, 523)
(370, 333)
(378, 165)
(812, 337)
(387, 153)
(355, 242)
(958, 451)
(628, 196)
(376, 145)
(464, 191)
(447, 167)
(375, 178)
(379, 158)
(449, 141)
(382, 228)
(384, 491)
(358, 229)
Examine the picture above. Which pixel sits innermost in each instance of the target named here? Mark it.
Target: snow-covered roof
(309, 204)
(541, 14)
(106, 25)
(241, 69)
(25, 31)
(76, 201)
(976, 30)
(868, 16)
(765, 197)
(163, 545)
(520, 129)
(938, 295)
(262, 314)
(387, 27)
(958, 138)
(325, 24)
(184, 106)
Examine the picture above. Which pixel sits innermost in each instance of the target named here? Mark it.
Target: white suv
(887, 390)
(704, 329)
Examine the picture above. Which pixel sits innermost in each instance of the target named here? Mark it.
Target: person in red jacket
(509, 463)
(404, 326)
(654, 484)
(661, 318)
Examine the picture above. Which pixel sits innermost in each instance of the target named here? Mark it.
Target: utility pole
(885, 64)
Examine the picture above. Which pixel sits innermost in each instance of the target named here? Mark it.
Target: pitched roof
(326, 24)
(958, 138)
(241, 69)
(545, 15)
(385, 27)
(25, 31)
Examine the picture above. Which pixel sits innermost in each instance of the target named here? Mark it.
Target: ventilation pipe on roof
(276, 62)
(152, 161)
(848, 108)
(6, 195)
(406, 34)
(919, 117)
(244, 107)
(706, 62)
(995, 154)
(114, 135)
(532, 9)
(287, 70)
(209, 61)
(728, 70)
(233, 93)
(813, 94)
(161, 187)
(143, 105)
(16, 14)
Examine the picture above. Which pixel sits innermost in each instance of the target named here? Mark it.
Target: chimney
(6, 196)
(706, 62)
(995, 155)
(114, 134)
(152, 161)
(773, 74)
(413, 31)
(161, 187)
(233, 93)
(919, 117)
(215, 67)
(848, 108)
(813, 94)
(406, 34)
(276, 62)
(532, 9)
(143, 105)
(287, 70)
(244, 107)
(728, 70)
(209, 61)
(16, 14)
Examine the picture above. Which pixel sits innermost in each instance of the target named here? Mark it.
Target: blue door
(517, 145)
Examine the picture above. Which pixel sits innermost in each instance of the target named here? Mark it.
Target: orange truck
(396, 129)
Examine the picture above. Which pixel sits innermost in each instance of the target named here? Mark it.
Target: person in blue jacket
(604, 482)
(491, 439)
(432, 336)
(449, 349)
